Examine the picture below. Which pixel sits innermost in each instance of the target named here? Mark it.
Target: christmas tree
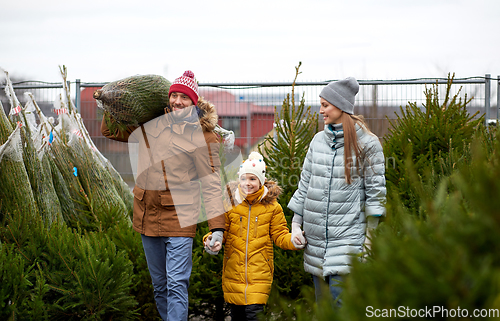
(284, 154)
(431, 140)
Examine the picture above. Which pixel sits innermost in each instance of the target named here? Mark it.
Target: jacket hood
(209, 118)
(270, 196)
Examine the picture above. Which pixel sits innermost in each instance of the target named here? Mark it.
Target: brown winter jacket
(185, 161)
(248, 252)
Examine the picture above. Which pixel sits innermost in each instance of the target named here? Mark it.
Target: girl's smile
(249, 183)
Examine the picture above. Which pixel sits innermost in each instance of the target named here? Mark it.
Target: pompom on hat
(186, 84)
(341, 94)
(254, 165)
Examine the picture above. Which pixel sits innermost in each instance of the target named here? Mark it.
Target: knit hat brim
(254, 165)
(178, 88)
(341, 94)
(337, 100)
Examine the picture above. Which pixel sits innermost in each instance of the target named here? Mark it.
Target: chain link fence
(249, 108)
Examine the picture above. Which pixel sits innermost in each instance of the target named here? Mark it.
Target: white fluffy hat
(254, 165)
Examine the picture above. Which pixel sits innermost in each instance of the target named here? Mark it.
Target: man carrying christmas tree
(178, 159)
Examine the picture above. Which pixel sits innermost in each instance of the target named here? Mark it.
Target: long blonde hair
(351, 144)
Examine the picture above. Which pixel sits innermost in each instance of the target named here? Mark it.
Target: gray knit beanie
(341, 94)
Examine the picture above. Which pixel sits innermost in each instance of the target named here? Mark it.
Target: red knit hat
(186, 84)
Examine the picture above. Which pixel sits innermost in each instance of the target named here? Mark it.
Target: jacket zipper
(246, 252)
(241, 224)
(328, 202)
(255, 228)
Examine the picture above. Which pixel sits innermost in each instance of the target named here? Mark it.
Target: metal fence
(248, 108)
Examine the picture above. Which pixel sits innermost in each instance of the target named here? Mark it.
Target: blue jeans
(333, 284)
(170, 263)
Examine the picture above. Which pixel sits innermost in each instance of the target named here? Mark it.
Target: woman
(341, 192)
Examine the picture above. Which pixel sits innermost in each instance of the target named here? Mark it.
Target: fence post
(77, 95)
(249, 128)
(498, 98)
(487, 98)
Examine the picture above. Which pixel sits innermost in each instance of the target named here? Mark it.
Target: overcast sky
(257, 40)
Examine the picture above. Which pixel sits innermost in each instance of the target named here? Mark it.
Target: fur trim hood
(209, 118)
(273, 191)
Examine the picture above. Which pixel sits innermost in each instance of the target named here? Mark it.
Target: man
(178, 156)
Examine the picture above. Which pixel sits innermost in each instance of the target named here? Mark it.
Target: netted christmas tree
(72, 270)
(38, 171)
(16, 196)
(133, 100)
(69, 178)
(97, 187)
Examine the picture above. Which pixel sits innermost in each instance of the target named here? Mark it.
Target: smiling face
(249, 183)
(179, 101)
(330, 113)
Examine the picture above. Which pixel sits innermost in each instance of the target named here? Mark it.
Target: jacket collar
(271, 193)
(208, 120)
(178, 121)
(334, 135)
(174, 121)
(239, 200)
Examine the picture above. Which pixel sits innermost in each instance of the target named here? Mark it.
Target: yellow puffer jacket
(248, 253)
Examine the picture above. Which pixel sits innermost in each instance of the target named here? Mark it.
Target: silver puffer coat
(334, 212)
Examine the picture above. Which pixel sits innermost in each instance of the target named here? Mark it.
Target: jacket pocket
(214, 156)
(268, 260)
(179, 199)
(184, 144)
(167, 201)
(233, 266)
(241, 226)
(259, 268)
(138, 193)
(139, 206)
(181, 206)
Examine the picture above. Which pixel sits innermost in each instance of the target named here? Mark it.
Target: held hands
(298, 239)
(367, 246)
(213, 243)
(372, 222)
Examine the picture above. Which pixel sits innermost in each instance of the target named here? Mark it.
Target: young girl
(252, 224)
(341, 193)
